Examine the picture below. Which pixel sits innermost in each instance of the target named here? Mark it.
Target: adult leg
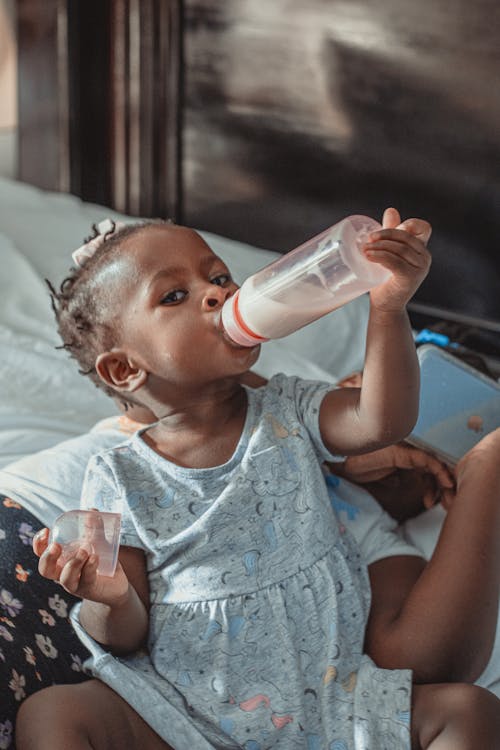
(38, 646)
(89, 715)
(455, 716)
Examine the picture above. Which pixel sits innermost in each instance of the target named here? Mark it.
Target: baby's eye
(221, 280)
(177, 295)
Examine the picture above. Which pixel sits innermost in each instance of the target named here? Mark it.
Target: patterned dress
(259, 597)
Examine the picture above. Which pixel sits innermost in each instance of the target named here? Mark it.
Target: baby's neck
(202, 431)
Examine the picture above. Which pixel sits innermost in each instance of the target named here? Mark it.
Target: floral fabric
(38, 646)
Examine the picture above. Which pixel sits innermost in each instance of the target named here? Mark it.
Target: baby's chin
(254, 355)
(245, 359)
(256, 351)
(245, 353)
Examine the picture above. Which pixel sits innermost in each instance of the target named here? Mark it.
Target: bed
(195, 131)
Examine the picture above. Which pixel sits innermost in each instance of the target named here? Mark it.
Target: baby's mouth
(222, 331)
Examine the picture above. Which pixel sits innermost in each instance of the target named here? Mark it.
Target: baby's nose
(215, 297)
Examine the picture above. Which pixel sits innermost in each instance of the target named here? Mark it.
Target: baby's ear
(117, 370)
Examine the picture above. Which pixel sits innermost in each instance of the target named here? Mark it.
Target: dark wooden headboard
(268, 121)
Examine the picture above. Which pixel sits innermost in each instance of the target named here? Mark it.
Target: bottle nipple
(234, 325)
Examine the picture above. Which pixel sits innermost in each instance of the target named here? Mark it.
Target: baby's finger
(398, 236)
(391, 257)
(40, 542)
(391, 218)
(417, 228)
(89, 572)
(396, 264)
(72, 571)
(48, 565)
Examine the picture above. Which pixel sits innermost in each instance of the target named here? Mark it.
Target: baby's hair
(83, 326)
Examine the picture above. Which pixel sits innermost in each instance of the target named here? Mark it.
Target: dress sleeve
(100, 489)
(308, 396)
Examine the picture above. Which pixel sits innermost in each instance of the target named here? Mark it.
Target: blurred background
(268, 121)
(8, 90)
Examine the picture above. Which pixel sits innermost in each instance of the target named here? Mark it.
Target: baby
(238, 612)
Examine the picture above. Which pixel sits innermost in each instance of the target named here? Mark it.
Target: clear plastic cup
(96, 531)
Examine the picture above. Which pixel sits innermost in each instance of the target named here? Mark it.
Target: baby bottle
(317, 277)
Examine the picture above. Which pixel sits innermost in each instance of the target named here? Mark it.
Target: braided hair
(83, 322)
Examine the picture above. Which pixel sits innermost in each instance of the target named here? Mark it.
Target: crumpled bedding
(41, 392)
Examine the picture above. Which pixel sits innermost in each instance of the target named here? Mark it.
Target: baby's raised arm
(384, 409)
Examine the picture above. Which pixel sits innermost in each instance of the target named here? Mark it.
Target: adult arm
(440, 619)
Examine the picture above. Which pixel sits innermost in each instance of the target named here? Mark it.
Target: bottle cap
(234, 325)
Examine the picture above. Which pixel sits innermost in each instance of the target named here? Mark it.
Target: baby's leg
(82, 716)
(455, 716)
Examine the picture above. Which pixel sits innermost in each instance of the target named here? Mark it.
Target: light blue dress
(259, 596)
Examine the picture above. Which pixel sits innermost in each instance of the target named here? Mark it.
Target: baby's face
(173, 287)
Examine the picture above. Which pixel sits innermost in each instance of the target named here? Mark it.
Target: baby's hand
(78, 575)
(401, 248)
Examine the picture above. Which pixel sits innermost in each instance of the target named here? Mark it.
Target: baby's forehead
(161, 248)
(162, 240)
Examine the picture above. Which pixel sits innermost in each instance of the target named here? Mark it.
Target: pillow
(43, 398)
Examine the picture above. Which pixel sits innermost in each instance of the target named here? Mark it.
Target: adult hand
(435, 480)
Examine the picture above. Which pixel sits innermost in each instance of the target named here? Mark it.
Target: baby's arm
(114, 610)
(385, 408)
(121, 625)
